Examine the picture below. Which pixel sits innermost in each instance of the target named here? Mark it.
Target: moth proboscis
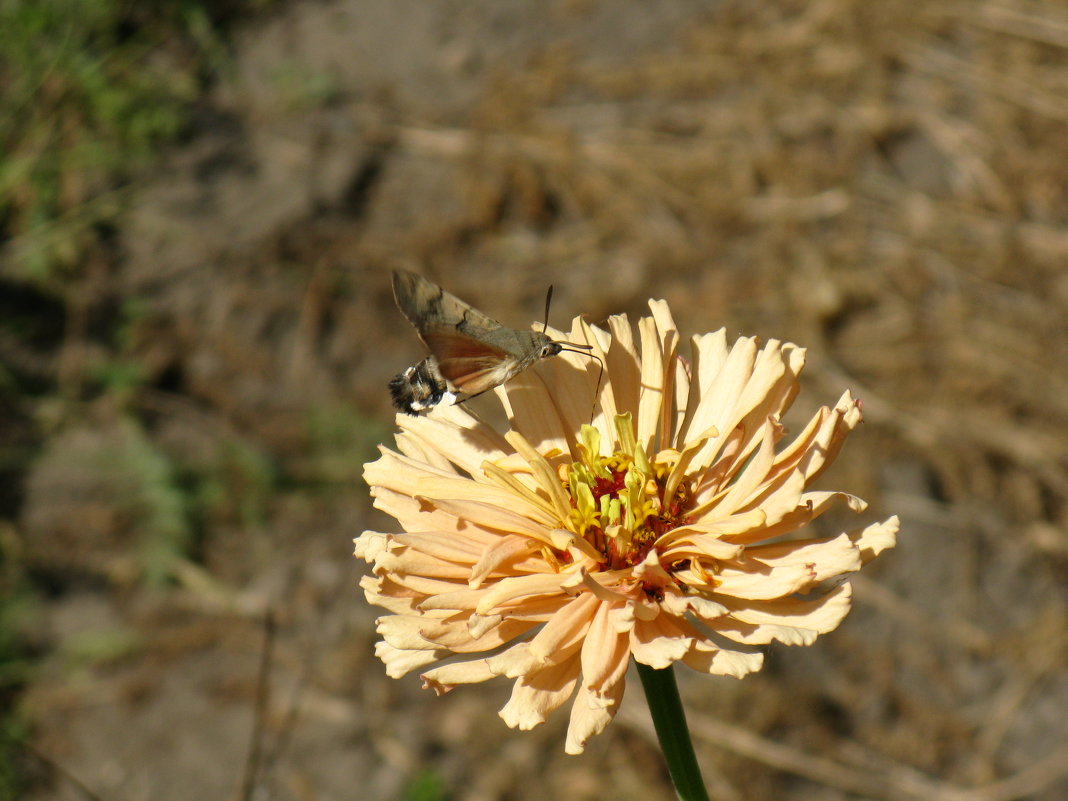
(470, 353)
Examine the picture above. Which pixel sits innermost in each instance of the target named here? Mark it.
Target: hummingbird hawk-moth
(470, 353)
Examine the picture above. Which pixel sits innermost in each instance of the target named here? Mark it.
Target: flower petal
(590, 714)
(660, 642)
(402, 661)
(519, 587)
(539, 693)
(759, 581)
(709, 658)
(605, 652)
(708, 352)
(565, 630)
(532, 412)
(825, 558)
(876, 538)
(457, 436)
(668, 337)
(463, 489)
(444, 677)
(792, 621)
(506, 550)
(651, 393)
(623, 366)
(489, 516)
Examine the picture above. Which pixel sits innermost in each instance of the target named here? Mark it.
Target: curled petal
(444, 678)
(401, 661)
(605, 652)
(660, 642)
(764, 581)
(876, 538)
(567, 628)
(791, 621)
(590, 714)
(507, 549)
(539, 693)
(824, 558)
(708, 658)
(458, 437)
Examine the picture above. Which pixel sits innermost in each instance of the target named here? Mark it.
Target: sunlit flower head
(663, 529)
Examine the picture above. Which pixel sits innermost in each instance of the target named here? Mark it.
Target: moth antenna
(583, 350)
(548, 300)
(597, 389)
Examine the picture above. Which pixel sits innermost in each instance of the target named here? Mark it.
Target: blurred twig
(55, 767)
(254, 760)
(1049, 26)
(962, 632)
(948, 67)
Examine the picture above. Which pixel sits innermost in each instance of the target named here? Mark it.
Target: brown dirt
(884, 183)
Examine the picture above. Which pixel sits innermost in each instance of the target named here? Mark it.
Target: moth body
(420, 388)
(471, 353)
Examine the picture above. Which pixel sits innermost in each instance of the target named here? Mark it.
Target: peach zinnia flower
(556, 552)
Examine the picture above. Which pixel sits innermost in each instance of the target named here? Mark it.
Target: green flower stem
(662, 693)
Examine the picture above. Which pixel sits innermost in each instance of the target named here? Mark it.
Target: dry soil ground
(885, 183)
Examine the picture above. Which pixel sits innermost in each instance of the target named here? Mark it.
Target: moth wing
(432, 310)
(469, 365)
(474, 352)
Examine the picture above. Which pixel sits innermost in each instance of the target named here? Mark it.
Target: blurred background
(200, 203)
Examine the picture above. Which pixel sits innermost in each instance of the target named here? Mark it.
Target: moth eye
(551, 349)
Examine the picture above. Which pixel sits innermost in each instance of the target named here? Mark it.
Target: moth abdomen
(419, 388)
